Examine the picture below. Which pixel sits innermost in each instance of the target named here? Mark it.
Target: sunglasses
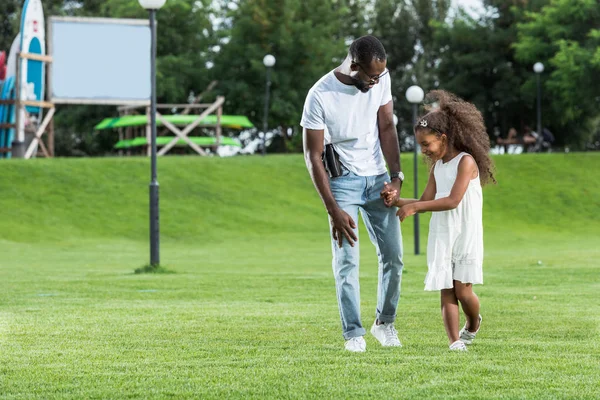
(372, 78)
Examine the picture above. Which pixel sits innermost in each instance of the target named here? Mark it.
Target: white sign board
(99, 61)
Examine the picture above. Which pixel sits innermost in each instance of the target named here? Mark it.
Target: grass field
(249, 309)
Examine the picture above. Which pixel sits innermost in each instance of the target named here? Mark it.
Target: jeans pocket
(345, 171)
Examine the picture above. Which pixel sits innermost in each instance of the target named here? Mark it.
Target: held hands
(391, 193)
(342, 225)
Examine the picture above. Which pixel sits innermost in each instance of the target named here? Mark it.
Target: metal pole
(539, 108)
(266, 113)
(416, 181)
(18, 144)
(154, 217)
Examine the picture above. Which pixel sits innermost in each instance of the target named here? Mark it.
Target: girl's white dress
(455, 244)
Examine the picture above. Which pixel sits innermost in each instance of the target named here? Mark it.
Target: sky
(469, 4)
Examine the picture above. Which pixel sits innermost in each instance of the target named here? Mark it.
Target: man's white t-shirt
(349, 119)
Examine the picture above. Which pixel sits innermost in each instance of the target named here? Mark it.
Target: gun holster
(331, 160)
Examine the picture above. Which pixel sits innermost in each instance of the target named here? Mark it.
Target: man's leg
(345, 271)
(384, 230)
(347, 191)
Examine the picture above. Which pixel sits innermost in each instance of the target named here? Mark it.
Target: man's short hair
(367, 48)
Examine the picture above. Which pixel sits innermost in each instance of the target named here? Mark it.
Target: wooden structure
(209, 108)
(46, 124)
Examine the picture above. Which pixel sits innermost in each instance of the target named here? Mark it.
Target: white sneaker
(458, 346)
(466, 336)
(356, 344)
(386, 334)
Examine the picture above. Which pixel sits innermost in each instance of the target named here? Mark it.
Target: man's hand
(342, 225)
(391, 192)
(406, 211)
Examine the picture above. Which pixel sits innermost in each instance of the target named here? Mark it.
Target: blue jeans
(353, 193)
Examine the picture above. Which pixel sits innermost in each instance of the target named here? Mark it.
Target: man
(351, 108)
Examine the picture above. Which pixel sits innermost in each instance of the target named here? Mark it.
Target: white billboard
(99, 61)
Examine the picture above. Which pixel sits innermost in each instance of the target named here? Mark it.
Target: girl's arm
(467, 170)
(430, 189)
(428, 193)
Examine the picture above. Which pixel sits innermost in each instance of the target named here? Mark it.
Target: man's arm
(342, 223)
(389, 137)
(428, 194)
(313, 140)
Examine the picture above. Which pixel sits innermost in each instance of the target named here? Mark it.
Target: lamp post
(268, 61)
(538, 68)
(415, 95)
(152, 6)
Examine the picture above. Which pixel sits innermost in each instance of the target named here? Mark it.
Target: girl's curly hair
(463, 125)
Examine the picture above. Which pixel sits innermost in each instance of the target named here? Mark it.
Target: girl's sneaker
(458, 346)
(466, 336)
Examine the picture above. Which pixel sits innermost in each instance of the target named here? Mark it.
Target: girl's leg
(470, 304)
(450, 314)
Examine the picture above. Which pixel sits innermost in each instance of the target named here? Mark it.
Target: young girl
(454, 139)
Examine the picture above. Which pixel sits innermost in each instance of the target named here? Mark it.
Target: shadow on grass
(153, 269)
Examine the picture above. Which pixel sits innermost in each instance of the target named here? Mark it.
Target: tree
(565, 36)
(427, 14)
(404, 28)
(307, 37)
(10, 10)
(394, 24)
(477, 62)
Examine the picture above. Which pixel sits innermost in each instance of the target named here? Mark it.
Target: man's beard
(361, 85)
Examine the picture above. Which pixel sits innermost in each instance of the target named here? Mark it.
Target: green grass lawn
(250, 311)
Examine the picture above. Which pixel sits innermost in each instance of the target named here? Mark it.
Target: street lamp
(538, 68)
(152, 6)
(268, 61)
(415, 95)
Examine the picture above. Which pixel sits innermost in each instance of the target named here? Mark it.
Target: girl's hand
(391, 199)
(406, 211)
(402, 202)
